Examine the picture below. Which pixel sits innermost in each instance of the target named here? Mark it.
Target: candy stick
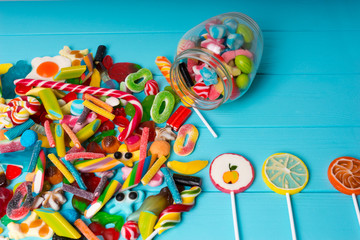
(48, 133)
(38, 180)
(78, 192)
(93, 91)
(60, 140)
(75, 174)
(100, 187)
(164, 66)
(98, 110)
(291, 216)
(171, 185)
(85, 230)
(98, 102)
(143, 147)
(61, 167)
(98, 165)
(82, 118)
(153, 170)
(86, 155)
(51, 104)
(205, 122)
(100, 201)
(17, 131)
(356, 206)
(72, 135)
(34, 156)
(87, 131)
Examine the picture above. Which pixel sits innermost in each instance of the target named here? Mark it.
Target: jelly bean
(243, 63)
(160, 148)
(151, 88)
(231, 25)
(242, 81)
(234, 41)
(246, 32)
(133, 78)
(20, 204)
(5, 196)
(147, 104)
(169, 100)
(110, 144)
(192, 133)
(119, 71)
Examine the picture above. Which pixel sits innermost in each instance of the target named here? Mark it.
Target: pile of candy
(228, 41)
(64, 122)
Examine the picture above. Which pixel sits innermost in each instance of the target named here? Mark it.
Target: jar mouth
(185, 92)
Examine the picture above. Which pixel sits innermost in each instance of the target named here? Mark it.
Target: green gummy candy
(5, 220)
(130, 110)
(242, 81)
(177, 98)
(136, 81)
(243, 63)
(160, 98)
(147, 104)
(102, 135)
(246, 32)
(79, 204)
(105, 218)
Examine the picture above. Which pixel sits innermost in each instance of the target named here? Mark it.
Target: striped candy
(19, 115)
(31, 104)
(201, 89)
(184, 45)
(130, 230)
(151, 88)
(164, 66)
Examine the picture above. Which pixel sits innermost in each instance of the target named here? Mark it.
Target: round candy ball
(243, 63)
(242, 81)
(28, 138)
(246, 32)
(77, 107)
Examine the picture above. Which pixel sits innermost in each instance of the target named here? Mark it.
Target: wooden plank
(53, 17)
(284, 53)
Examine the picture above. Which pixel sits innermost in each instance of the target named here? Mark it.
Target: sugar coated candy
(133, 78)
(192, 133)
(20, 204)
(169, 100)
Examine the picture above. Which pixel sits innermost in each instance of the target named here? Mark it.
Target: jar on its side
(217, 60)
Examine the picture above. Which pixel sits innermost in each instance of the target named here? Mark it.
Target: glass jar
(217, 60)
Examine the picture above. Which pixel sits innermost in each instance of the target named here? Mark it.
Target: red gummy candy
(21, 89)
(13, 172)
(69, 97)
(106, 126)
(107, 62)
(107, 234)
(119, 112)
(90, 180)
(151, 126)
(95, 148)
(119, 71)
(5, 197)
(102, 118)
(121, 121)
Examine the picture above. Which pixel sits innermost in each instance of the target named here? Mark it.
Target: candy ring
(132, 78)
(344, 173)
(31, 104)
(18, 208)
(169, 101)
(192, 133)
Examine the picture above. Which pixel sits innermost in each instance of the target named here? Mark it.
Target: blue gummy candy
(20, 70)
(28, 138)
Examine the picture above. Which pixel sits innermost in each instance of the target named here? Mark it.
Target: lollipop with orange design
(344, 175)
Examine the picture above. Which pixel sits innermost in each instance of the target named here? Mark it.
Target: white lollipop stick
(153, 234)
(356, 206)
(205, 122)
(233, 205)
(291, 216)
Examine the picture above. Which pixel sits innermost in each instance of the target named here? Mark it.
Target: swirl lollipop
(285, 174)
(344, 175)
(232, 173)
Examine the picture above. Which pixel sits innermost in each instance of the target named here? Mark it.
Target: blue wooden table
(305, 99)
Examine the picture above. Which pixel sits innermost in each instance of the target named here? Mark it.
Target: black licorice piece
(57, 237)
(187, 180)
(100, 54)
(185, 74)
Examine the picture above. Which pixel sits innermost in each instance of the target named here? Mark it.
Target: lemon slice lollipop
(285, 173)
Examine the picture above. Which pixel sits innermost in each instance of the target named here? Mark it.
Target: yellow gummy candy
(187, 168)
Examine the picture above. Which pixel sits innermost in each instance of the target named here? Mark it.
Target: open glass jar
(217, 60)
